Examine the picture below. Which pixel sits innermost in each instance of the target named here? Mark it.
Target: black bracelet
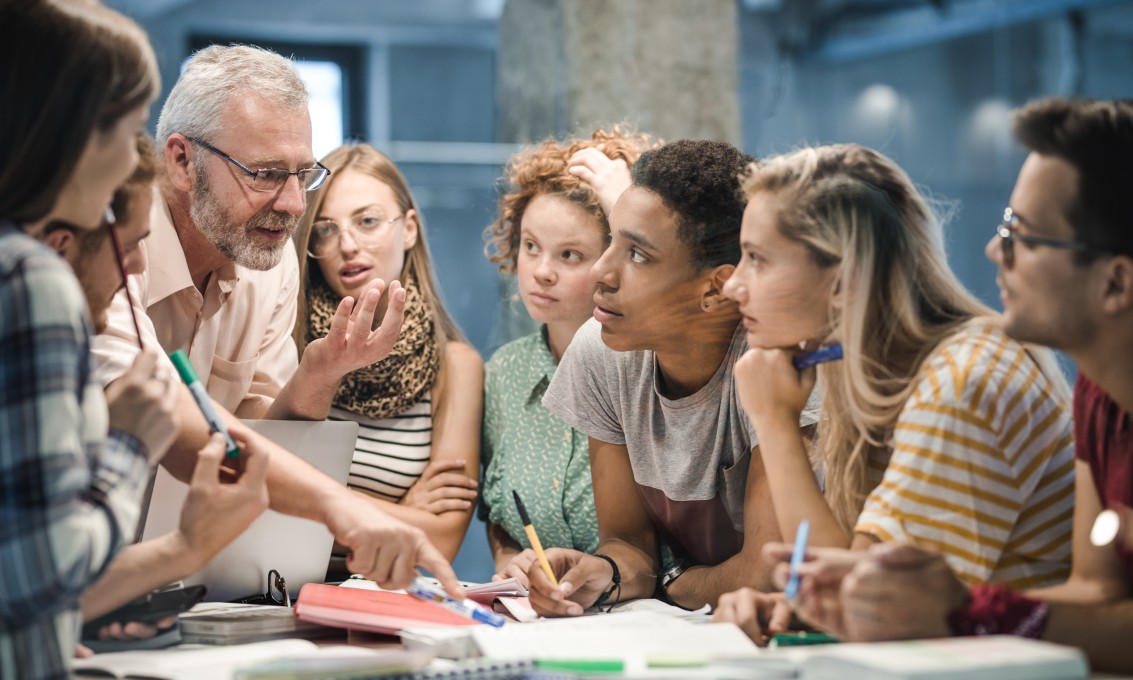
(615, 584)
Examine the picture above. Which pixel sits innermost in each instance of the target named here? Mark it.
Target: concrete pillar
(670, 67)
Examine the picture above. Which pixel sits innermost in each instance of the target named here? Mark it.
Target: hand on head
(609, 177)
(143, 402)
(442, 487)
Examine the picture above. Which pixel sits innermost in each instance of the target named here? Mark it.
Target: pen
(189, 377)
(819, 356)
(529, 528)
(430, 593)
(801, 535)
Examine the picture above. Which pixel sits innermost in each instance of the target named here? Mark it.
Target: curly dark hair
(542, 169)
(699, 180)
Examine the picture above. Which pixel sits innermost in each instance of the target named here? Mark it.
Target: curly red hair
(542, 169)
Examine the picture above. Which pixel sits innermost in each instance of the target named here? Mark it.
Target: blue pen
(431, 593)
(797, 554)
(819, 356)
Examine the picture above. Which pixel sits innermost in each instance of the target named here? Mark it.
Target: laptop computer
(297, 548)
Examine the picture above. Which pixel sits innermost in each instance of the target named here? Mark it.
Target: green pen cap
(184, 367)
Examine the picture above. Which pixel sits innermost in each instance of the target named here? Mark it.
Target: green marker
(801, 638)
(189, 377)
(581, 665)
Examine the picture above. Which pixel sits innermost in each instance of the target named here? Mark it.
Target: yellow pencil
(534, 538)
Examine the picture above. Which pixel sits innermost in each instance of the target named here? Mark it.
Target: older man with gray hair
(234, 143)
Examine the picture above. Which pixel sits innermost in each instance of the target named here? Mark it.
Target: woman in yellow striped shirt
(936, 428)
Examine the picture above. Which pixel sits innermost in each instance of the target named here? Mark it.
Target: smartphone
(150, 608)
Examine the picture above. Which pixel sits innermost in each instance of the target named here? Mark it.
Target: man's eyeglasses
(271, 179)
(120, 260)
(367, 229)
(276, 593)
(1008, 231)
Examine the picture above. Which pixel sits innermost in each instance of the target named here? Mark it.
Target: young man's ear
(179, 159)
(1118, 285)
(62, 241)
(713, 296)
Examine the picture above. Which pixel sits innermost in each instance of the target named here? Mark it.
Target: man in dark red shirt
(1065, 255)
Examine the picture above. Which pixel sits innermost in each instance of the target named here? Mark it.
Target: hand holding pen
(533, 538)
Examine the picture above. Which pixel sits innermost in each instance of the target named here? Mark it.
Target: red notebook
(371, 610)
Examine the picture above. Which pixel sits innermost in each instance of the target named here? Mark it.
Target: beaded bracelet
(615, 584)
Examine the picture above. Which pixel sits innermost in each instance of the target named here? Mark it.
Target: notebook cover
(371, 610)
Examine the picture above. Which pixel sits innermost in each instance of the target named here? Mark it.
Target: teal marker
(189, 377)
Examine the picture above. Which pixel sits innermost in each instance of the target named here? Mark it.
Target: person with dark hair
(73, 470)
(674, 460)
(214, 513)
(1064, 249)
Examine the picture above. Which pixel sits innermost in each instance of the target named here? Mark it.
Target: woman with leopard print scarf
(419, 409)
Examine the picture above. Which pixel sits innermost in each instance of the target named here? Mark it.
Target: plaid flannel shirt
(69, 492)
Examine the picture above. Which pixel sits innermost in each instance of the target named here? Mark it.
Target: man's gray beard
(239, 242)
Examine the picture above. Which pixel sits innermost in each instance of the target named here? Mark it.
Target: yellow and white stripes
(982, 465)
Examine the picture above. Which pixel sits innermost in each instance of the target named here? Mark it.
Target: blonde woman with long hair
(419, 409)
(937, 429)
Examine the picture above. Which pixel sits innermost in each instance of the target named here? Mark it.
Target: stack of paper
(226, 623)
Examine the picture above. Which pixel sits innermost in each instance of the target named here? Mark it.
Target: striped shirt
(981, 468)
(391, 453)
(69, 493)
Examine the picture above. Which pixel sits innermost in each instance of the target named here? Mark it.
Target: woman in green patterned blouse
(552, 227)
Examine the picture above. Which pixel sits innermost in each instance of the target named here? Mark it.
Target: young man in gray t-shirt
(673, 457)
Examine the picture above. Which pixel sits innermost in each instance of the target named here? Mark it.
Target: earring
(707, 305)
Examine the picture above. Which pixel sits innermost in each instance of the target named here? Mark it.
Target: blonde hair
(542, 169)
(855, 208)
(367, 160)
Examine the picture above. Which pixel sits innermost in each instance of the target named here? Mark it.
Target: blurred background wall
(450, 88)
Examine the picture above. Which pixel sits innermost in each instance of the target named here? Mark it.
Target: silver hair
(217, 73)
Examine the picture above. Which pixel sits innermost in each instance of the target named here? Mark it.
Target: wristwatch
(671, 575)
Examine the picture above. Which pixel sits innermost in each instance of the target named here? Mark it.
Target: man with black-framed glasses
(236, 165)
(1065, 255)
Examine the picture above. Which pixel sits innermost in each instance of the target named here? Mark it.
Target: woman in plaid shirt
(78, 89)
